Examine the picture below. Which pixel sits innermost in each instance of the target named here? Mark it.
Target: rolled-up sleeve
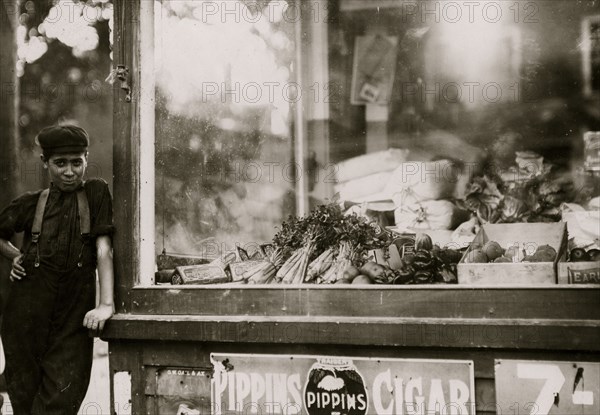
(12, 217)
(101, 207)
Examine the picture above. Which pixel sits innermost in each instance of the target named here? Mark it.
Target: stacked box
(524, 234)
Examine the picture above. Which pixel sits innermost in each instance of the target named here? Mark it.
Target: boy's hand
(17, 271)
(95, 319)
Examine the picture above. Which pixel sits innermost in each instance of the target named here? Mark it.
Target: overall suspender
(84, 220)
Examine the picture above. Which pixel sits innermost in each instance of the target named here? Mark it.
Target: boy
(67, 236)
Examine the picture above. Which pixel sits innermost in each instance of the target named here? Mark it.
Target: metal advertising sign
(547, 388)
(181, 391)
(327, 385)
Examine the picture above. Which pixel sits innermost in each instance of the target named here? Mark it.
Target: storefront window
(263, 109)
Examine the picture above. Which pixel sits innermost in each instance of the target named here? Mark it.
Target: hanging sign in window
(547, 388)
(319, 385)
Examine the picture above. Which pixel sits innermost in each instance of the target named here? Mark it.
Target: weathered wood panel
(126, 153)
(127, 357)
(450, 333)
(420, 302)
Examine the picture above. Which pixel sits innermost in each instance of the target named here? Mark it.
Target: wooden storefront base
(145, 358)
(181, 327)
(161, 327)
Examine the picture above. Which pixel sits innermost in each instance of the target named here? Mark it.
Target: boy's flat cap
(63, 139)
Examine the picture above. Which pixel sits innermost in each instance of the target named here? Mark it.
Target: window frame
(586, 55)
(562, 309)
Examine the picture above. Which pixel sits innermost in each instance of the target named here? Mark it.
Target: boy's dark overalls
(48, 351)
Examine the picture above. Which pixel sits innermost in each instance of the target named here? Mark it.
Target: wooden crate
(533, 234)
(585, 272)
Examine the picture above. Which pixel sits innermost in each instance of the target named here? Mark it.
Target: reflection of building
(226, 123)
(475, 76)
(590, 48)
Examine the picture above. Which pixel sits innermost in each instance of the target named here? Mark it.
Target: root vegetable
(342, 262)
(264, 272)
(321, 264)
(294, 269)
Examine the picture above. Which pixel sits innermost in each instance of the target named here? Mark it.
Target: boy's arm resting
(8, 250)
(11, 252)
(96, 318)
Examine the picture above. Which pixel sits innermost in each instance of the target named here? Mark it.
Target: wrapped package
(369, 164)
(361, 188)
(414, 182)
(441, 144)
(583, 228)
(429, 214)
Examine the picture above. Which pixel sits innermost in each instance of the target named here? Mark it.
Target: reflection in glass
(473, 82)
(223, 136)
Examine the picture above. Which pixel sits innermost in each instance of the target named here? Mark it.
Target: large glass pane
(267, 107)
(223, 123)
(473, 82)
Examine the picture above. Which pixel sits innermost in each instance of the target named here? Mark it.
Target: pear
(594, 254)
(493, 250)
(513, 252)
(544, 256)
(578, 255)
(362, 279)
(476, 256)
(502, 259)
(545, 247)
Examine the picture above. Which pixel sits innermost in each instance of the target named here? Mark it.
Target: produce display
(492, 252)
(342, 243)
(264, 272)
(527, 192)
(582, 267)
(331, 247)
(581, 255)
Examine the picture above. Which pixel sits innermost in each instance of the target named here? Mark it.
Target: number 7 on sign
(554, 382)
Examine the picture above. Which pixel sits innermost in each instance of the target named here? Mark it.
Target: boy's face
(66, 170)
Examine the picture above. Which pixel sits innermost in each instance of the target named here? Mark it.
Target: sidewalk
(97, 400)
